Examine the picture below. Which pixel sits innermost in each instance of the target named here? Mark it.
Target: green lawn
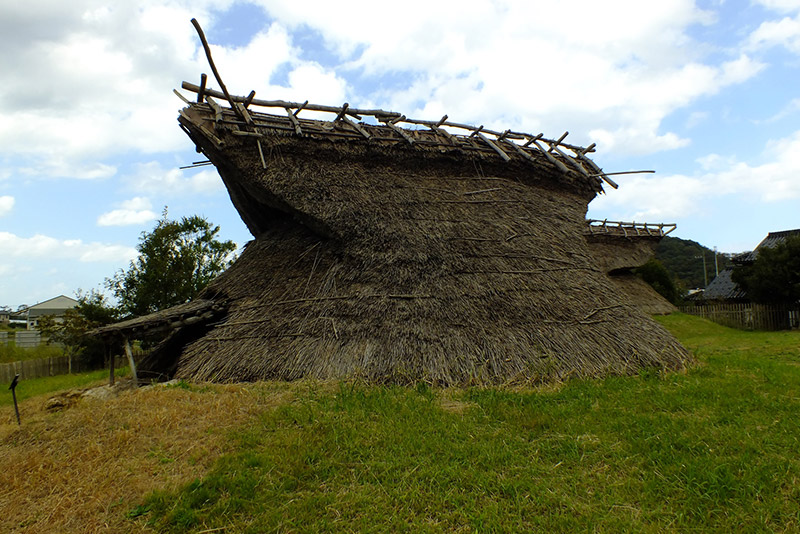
(712, 449)
(51, 384)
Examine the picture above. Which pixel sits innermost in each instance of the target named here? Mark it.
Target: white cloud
(668, 197)
(713, 162)
(153, 178)
(784, 6)
(543, 67)
(784, 32)
(696, 118)
(6, 204)
(45, 247)
(95, 79)
(134, 211)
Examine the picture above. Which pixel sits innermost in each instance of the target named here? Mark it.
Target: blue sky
(704, 93)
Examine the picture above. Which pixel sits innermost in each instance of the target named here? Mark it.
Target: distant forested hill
(683, 258)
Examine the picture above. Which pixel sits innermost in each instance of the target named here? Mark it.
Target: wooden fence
(40, 367)
(748, 316)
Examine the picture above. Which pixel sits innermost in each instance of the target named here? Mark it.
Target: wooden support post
(533, 140)
(216, 107)
(558, 141)
(132, 363)
(450, 137)
(522, 152)
(261, 154)
(13, 388)
(342, 112)
(476, 131)
(294, 121)
(400, 131)
(570, 160)
(495, 147)
(244, 114)
(201, 92)
(249, 98)
(357, 127)
(110, 358)
(550, 158)
(300, 108)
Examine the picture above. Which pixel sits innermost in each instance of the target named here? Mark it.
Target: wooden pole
(207, 50)
(110, 359)
(13, 388)
(129, 352)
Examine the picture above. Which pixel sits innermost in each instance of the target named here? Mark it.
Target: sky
(705, 93)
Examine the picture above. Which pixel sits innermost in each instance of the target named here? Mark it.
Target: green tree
(91, 312)
(774, 277)
(177, 259)
(684, 259)
(659, 278)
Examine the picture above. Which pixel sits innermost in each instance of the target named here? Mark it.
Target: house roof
(772, 240)
(61, 302)
(723, 288)
(198, 310)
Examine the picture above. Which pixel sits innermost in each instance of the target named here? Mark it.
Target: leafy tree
(177, 259)
(683, 258)
(654, 273)
(91, 312)
(774, 277)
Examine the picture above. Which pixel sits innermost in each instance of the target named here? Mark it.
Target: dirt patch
(82, 469)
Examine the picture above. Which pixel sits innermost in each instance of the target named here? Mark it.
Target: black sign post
(13, 388)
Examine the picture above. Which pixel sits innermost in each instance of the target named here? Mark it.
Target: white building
(55, 306)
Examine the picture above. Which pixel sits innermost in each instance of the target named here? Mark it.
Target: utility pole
(705, 270)
(716, 265)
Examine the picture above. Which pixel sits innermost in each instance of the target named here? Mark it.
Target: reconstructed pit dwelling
(620, 247)
(398, 250)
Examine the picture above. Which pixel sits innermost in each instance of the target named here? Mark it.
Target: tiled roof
(772, 240)
(723, 288)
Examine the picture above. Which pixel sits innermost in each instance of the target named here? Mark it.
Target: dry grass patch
(83, 469)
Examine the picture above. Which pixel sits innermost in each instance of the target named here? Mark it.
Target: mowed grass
(712, 449)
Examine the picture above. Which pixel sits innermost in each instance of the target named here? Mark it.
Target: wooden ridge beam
(382, 115)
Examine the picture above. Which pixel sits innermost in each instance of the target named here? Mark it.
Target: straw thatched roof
(618, 248)
(398, 254)
(399, 250)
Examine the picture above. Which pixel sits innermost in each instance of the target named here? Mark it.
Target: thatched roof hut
(620, 247)
(399, 250)
(396, 250)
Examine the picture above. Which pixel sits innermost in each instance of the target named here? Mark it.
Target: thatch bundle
(395, 261)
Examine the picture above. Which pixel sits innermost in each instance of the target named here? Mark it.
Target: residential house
(55, 307)
(725, 302)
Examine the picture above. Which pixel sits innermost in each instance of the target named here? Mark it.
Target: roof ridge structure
(445, 134)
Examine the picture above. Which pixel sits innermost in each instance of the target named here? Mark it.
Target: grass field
(712, 449)
(41, 386)
(11, 353)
